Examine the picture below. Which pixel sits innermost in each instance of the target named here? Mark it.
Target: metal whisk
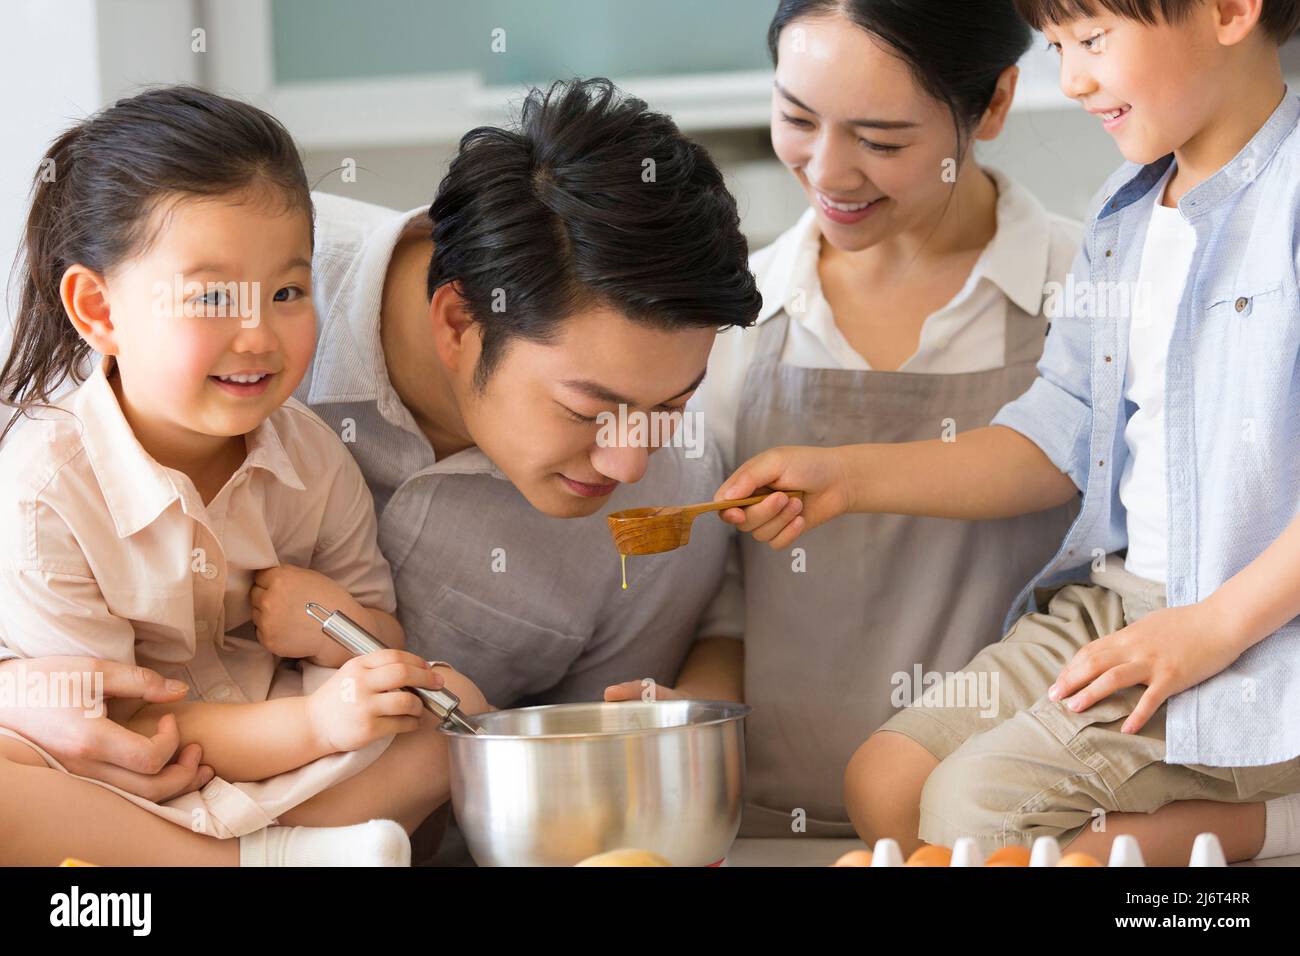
(358, 640)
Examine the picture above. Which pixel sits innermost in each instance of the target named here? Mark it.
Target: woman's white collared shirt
(1030, 249)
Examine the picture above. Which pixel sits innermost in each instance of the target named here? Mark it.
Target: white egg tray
(1124, 851)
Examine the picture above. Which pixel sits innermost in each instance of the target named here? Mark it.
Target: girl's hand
(820, 473)
(1169, 651)
(280, 597)
(364, 701)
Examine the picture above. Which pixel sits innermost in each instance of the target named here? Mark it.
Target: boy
(1168, 395)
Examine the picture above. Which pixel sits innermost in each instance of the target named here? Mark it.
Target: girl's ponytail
(46, 348)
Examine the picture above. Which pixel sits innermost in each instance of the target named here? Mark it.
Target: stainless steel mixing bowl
(549, 786)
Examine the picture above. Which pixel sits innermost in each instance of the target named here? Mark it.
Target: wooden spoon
(653, 530)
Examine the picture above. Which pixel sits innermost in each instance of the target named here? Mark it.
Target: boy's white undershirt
(1166, 261)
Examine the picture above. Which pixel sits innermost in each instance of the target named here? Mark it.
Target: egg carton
(1124, 851)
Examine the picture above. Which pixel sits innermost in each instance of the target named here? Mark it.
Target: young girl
(178, 509)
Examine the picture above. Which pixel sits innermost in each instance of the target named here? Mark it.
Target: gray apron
(839, 633)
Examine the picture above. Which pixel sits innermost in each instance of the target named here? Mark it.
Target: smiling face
(865, 141)
(537, 417)
(1152, 87)
(223, 293)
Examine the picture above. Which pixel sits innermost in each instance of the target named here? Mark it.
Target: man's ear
(85, 300)
(454, 333)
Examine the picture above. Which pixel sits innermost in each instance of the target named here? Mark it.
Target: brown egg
(1077, 859)
(930, 856)
(1009, 856)
(625, 857)
(854, 858)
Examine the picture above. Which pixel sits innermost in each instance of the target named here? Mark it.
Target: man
(470, 355)
(570, 274)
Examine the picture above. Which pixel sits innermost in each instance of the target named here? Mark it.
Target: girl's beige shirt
(105, 552)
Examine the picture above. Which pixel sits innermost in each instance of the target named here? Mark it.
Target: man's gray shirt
(528, 606)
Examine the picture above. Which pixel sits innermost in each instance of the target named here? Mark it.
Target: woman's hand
(364, 700)
(80, 735)
(822, 474)
(280, 596)
(1169, 651)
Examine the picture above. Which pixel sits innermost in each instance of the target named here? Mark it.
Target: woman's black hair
(956, 49)
(590, 200)
(95, 192)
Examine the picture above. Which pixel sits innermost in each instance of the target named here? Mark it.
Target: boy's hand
(280, 597)
(820, 473)
(1169, 651)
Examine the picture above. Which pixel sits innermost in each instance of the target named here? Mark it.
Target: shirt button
(209, 571)
(221, 693)
(1109, 252)
(201, 626)
(1109, 359)
(1242, 303)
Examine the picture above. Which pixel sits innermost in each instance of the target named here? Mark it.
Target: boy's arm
(1262, 596)
(1034, 455)
(992, 472)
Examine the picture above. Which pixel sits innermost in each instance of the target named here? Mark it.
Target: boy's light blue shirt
(1232, 418)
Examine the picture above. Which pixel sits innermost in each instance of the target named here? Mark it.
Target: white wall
(59, 62)
(49, 70)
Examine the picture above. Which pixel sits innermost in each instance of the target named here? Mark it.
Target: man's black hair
(591, 200)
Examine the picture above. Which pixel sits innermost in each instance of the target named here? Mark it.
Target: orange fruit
(930, 856)
(625, 857)
(1009, 856)
(1077, 859)
(854, 858)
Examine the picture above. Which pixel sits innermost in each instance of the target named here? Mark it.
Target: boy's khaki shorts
(1016, 766)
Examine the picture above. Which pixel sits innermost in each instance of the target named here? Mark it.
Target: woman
(905, 304)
